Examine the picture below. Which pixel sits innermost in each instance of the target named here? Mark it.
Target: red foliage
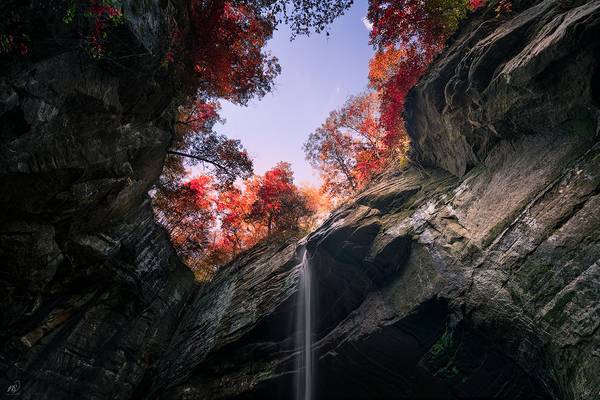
(212, 224)
(405, 22)
(361, 139)
(201, 187)
(227, 50)
(14, 42)
(408, 34)
(279, 204)
(103, 14)
(233, 207)
(186, 212)
(102, 9)
(384, 65)
(407, 71)
(475, 4)
(198, 117)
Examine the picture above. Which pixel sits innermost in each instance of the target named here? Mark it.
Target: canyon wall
(91, 290)
(473, 272)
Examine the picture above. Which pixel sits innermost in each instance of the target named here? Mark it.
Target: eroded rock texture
(474, 273)
(90, 289)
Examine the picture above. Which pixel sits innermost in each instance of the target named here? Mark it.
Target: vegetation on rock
(222, 52)
(367, 135)
(220, 56)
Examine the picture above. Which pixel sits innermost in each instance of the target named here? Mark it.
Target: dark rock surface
(90, 288)
(474, 273)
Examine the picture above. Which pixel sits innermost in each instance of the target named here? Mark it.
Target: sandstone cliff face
(473, 273)
(90, 288)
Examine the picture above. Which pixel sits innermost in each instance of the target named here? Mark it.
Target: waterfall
(304, 322)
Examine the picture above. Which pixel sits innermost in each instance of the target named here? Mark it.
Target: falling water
(304, 379)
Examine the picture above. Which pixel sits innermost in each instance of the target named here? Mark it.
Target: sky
(318, 73)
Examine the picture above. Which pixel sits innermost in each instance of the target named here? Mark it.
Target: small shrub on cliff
(13, 37)
(14, 42)
(93, 19)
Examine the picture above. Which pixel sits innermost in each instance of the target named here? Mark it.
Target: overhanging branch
(181, 154)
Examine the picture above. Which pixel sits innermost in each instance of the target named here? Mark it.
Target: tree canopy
(227, 208)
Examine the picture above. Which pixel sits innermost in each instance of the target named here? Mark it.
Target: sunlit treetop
(384, 65)
(351, 147)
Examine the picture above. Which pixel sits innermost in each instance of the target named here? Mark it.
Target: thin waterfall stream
(304, 323)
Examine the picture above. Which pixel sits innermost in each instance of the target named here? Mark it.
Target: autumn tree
(407, 35)
(329, 151)
(221, 52)
(224, 48)
(421, 24)
(233, 208)
(279, 205)
(186, 211)
(264, 206)
(210, 225)
(350, 147)
(221, 49)
(187, 208)
(217, 47)
(302, 16)
(196, 143)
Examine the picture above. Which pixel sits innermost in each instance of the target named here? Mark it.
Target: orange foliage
(319, 203)
(210, 224)
(350, 148)
(384, 65)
